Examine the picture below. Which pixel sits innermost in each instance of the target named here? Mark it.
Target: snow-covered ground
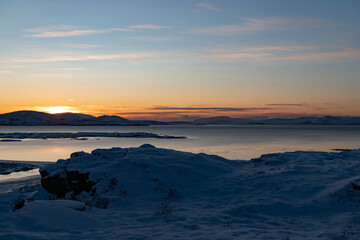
(8, 167)
(152, 193)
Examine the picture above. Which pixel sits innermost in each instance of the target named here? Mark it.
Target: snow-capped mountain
(326, 120)
(34, 118)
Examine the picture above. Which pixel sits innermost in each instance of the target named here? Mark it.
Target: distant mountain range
(326, 120)
(33, 118)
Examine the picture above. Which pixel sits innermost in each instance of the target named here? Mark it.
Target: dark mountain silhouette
(34, 118)
(326, 120)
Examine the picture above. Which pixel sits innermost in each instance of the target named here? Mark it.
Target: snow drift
(152, 193)
(145, 173)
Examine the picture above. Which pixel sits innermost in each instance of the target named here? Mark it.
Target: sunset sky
(179, 60)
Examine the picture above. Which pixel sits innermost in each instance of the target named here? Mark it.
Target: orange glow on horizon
(191, 112)
(57, 109)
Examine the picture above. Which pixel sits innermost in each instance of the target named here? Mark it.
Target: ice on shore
(7, 167)
(152, 193)
(80, 135)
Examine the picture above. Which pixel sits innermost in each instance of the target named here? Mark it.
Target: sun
(57, 109)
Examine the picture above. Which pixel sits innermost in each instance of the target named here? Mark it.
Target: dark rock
(66, 181)
(56, 184)
(18, 204)
(79, 182)
(355, 187)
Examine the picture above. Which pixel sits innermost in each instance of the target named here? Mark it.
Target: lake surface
(232, 142)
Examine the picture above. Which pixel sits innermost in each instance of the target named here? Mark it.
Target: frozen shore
(153, 193)
(81, 135)
(7, 167)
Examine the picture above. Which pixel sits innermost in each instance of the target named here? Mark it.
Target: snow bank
(145, 173)
(152, 193)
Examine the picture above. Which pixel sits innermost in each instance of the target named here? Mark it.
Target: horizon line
(255, 118)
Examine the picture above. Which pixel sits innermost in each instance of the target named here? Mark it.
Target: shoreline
(149, 190)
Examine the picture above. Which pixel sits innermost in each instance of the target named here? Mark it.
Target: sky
(181, 60)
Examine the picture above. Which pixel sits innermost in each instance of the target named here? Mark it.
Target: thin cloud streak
(222, 109)
(284, 48)
(286, 105)
(254, 25)
(122, 56)
(153, 113)
(240, 56)
(169, 113)
(51, 28)
(207, 6)
(73, 57)
(70, 31)
(282, 54)
(148, 26)
(77, 32)
(335, 55)
(261, 54)
(162, 111)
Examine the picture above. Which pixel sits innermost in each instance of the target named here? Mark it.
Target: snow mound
(153, 193)
(145, 173)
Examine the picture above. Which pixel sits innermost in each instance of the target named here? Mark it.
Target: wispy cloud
(70, 31)
(264, 48)
(285, 104)
(51, 28)
(283, 53)
(321, 56)
(152, 112)
(221, 109)
(77, 32)
(148, 26)
(68, 58)
(169, 113)
(147, 38)
(254, 25)
(207, 6)
(46, 56)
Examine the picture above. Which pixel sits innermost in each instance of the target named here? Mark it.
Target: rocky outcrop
(110, 175)
(65, 181)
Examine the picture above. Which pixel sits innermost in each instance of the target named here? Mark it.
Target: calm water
(233, 142)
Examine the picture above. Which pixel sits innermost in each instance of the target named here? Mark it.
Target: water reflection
(233, 142)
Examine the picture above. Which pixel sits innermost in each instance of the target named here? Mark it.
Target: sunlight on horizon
(187, 60)
(57, 109)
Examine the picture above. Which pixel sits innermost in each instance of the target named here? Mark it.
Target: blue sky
(130, 57)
